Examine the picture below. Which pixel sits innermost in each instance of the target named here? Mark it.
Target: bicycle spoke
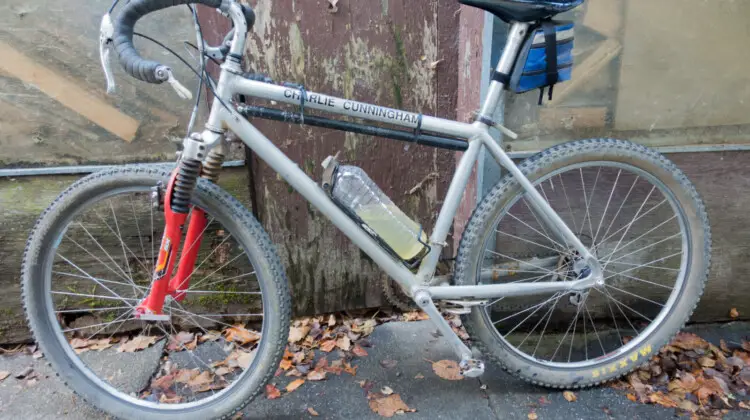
(544, 270)
(609, 256)
(91, 278)
(624, 200)
(74, 311)
(570, 210)
(229, 279)
(634, 295)
(606, 207)
(138, 228)
(540, 233)
(208, 256)
(88, 295)
(546, 324)
(677, 235)
(124, 246)
(120, 274)
(596, 333)
(525, 240)
(641, 280)
(95, 325)
(98, 279)
(631, 309)
(215, 271)
(539, 305)
(648, 264)
(119, 236)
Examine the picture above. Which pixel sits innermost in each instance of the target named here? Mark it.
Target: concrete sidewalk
(412, 345)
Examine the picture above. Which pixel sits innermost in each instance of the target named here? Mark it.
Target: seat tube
(516, 37)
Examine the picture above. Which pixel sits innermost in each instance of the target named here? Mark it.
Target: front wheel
(643, 220)
(88, 264)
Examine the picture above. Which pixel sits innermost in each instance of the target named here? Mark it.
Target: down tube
(297, 178)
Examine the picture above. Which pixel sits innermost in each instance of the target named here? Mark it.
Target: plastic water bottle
(351, 188)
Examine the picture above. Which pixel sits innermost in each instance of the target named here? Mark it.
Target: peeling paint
(297, 49)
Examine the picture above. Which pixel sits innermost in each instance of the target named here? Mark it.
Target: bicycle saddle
(523, 10)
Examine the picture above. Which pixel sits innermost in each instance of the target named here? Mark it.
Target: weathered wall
(396, 53)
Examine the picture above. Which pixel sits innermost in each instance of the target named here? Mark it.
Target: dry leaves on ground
(734, 313)
(182, 341)
(532, 416)
(138, 343)
(241, 335)
(570, 396)
(81, 345)
(447, 369)
(694, 376)
(312, 412)
(4, 374)
(272, 392)
(294, 385)
(387, 405)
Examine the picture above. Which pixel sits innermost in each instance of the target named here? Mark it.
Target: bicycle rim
(104, 253)
(636, 228)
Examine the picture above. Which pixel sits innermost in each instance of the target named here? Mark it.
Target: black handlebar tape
(132, 62)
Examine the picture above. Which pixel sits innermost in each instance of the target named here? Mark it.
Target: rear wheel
(643, 220)
(89, 262)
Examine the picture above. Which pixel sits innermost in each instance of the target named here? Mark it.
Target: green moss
(399, 70)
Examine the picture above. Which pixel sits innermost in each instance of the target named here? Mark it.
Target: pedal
(471, 368)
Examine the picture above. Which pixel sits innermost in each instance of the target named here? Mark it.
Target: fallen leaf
(707, 361)
(662, 399)
(4, 374)
(37, 355)
(285, 364)
(240, 334)
(352, 370)
(746, 345)
(163, 383)
(322, 363)
(210, 336)
(198, 381)
(298, 333)
(140, 342)
(570, 396)
(366, 328)
(316, 375)
(734, 313)
(419, 376)
(744, 405)
(688, 405)
(272, 392)
(447, 369)
(100, 345)
(164, 399)
(723, 346)
(532, 416)
(632, 397)
(244, 359)
(344, 343)
(388, 363)
(328, 345)
(359, 351)
(294, 385)
(331, 320)
(386, 390)
(79, 343)
(388, 405)
(312, 410)
(32, 382)
(416, 316)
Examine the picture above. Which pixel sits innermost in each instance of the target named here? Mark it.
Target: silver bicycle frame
(221, 119)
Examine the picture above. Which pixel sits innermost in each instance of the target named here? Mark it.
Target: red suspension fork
(180, 282)
(176, 208)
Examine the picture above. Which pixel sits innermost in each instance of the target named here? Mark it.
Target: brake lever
(106, 32)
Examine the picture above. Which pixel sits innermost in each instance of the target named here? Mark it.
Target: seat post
(512, 47)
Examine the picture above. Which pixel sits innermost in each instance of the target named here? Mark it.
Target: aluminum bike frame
(222, 118)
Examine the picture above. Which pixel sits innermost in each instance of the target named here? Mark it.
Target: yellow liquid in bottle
(395, 228)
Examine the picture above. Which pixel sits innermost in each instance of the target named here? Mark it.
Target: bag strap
(550, 46)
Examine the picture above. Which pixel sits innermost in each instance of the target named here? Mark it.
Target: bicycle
(526, 254)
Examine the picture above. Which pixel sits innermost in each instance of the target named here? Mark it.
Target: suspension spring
(187, 178)
(212, 165)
